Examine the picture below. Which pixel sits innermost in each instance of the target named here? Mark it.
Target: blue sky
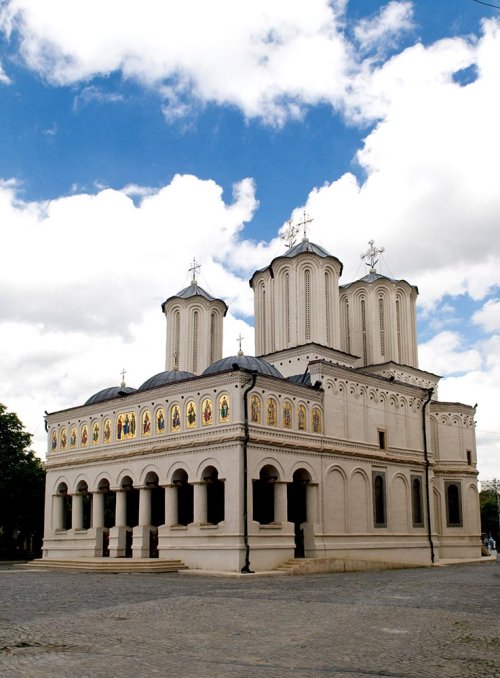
(134, 136)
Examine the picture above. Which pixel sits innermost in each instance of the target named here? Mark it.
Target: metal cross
(305, 221)
(240, 339)
(194, 267)
(123, 373)
(371, 255)
(289, 237)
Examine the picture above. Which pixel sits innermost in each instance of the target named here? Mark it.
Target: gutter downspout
(430, 392)
(246, 567)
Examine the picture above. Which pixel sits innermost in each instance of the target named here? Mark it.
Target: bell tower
(194, 327)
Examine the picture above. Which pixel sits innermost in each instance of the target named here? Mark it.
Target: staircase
(108, 565)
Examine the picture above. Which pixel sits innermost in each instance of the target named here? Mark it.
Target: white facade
(315, 449)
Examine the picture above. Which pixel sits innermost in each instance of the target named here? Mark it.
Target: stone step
(111, 565)
(326, 565)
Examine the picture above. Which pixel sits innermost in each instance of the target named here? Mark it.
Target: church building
(330, 443)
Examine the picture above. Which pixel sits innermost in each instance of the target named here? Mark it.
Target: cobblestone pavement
(441, 622)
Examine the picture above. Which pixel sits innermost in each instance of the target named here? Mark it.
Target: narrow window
(263, 323)
(416, 501)
(398, 329)
(379, 500)
(453, 508)
(212, 338)
(347, 330)
(363, 330)
(307, 286)
(382, 325)
(327, 307)
(195, 341)
(177, 337)
(381, 440)
(469, 457)
(287, 307)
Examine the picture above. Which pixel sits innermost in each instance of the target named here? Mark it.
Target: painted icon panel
(72, 437)
(223, 408)
(95, 433)
(190, 414)
(175, 418)
(126, 425)
(271, 412)
(64, 439)
(107, 431)
(53, 444)
(160, 420)
(84, 436)
(146, 423)
(316, 420)
(255, 408)
(206, 412)
(287, 414)
(301, 417)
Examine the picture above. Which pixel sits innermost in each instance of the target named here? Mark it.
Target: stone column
(98, 509)
(200, 503)
(76, 512)
(171, 514)
(280, 503)
(312, 503)
(144, 506)
(121, 509)
(58, 512)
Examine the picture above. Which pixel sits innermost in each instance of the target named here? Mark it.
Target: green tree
(22, 483)
(489, 501)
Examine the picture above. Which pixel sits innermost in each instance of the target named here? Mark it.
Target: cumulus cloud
(489, 316)
(268, 59)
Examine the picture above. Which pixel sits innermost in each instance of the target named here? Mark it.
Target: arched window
(212, 337)
(347, 331)
(363, 331)
(453, 505)
(263, 316)
(307, 304)
(177, 337)
(398, 328)
(381, 316)
(327, 308)
(416, 501)
(195, 340)
(287, 306)
(379, 512)
(184, 497)
(215, 495)
(263, 495)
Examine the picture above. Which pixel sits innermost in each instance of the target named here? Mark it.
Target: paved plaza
(399, 623)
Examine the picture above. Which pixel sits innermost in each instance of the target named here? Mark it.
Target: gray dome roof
(194, 290)
(374, 277)
(245, 362)
(163, 378)
(300, 248)
(110, 393)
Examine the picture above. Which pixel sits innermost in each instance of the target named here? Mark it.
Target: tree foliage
(22, 483)
(489, 500)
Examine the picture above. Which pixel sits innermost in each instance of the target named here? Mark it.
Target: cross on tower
(123, 373)
(370, 257)
(290, 234)
(194, 268)
(304, 223)
(239, 339)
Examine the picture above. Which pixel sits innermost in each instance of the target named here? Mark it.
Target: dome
(194, 290)
(164, 378)
(244, 362)
(300, 248)
(110, 393)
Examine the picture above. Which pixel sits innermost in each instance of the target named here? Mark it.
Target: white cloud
(489, 316)
(4, 78)
(270, 59)
(444, 354)
(391, 20)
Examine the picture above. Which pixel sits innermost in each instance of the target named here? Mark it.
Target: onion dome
(110, 393)
(164, 378)
(244, 362)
